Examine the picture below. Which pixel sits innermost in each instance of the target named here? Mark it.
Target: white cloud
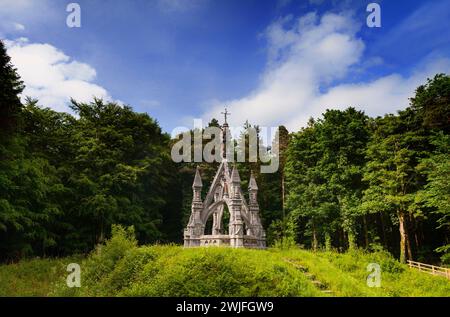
(306, 59)
(18, 26)
(51, 76)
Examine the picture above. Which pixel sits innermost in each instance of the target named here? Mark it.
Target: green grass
(35, 277)
(345, 274)
(121, 268)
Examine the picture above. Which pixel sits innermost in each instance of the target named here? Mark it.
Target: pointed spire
(252, 184)
(235, 175)
(197, 179)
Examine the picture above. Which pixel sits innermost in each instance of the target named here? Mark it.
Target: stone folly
(244, 228)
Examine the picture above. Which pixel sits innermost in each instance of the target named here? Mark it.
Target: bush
(218, 272)
(445, 259)
(120, 268)
(285, 243)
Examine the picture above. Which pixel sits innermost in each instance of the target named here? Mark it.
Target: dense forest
(345, 180)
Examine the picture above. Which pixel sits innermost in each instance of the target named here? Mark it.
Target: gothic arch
(207, 212)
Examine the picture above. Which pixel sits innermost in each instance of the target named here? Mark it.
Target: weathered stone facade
(244, 229)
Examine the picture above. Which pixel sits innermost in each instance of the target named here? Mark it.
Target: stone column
(236, 224)
(195, 227)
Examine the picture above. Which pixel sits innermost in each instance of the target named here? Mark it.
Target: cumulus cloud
(51, 76)
(307, 58)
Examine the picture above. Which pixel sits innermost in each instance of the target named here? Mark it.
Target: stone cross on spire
(226, 113)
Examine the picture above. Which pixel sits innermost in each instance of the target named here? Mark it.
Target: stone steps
(318, 284)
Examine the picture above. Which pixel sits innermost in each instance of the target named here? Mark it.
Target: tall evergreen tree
(10, 88)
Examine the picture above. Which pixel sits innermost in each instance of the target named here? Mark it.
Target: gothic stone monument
(244, 229)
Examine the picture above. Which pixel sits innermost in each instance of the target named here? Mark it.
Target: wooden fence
(432, 269)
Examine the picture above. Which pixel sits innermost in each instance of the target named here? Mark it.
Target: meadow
(122, 268)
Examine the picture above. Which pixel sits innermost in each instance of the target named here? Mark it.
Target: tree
(391, 174)
(123, 169)
(304, 187)
(324, 171)
(10, 88)
(432, 102)
(342, 138)
(436, 193)
(283, 140)
(30, 194)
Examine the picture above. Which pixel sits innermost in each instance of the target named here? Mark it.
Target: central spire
(225, 135)
(226, 113)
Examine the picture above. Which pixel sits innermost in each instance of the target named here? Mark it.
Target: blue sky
(272, 62)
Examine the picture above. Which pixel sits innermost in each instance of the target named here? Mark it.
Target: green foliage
(34, 277)
(64, 179)
(284, 243)
(173, 271)
(345, 274)
(10, 88)
(219, 272)
(120, 268)
(78, 176)
(432, 102)
(323, 174)
(446, 257)
(353, 181)
(436, 167)
(105, 257)
(281, 234)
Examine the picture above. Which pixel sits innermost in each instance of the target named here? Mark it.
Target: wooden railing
(432, 269)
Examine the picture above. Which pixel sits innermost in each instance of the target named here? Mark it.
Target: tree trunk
(408, 244)
(383, 230)
(314, 236)
(102, 233)
(422, 235)
(282, 193)
(351, 240)
(415, 225)
(366, 233)
(416, 237)
(327, 241)
(401, 221)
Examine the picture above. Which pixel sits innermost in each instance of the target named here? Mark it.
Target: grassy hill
(121, 268)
